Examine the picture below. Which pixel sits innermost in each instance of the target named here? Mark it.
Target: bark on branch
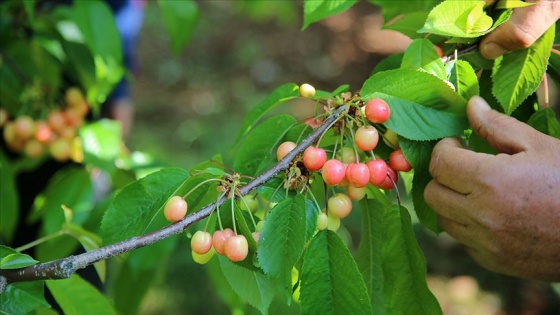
(64, 268)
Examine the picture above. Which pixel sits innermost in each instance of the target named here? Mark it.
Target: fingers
(447, 203)
(456, 167)
(524, 27)
(503, 133)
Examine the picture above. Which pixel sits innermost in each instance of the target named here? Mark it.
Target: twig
(64, 268)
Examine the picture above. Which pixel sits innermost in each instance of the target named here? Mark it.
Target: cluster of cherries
(344, 170)
(56, 134)
(224, 242)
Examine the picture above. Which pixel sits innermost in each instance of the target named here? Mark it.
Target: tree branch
(64, 268)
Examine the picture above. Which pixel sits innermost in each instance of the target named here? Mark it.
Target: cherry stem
(250, 212)
(396, 188)
(65, 267)
(545, 90)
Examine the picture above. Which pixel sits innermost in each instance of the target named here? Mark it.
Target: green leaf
(512, 4)
(180, 19)
(134, 207)
(546, 122)
(252, 286)
(517, 75)
(327, 95)
(316, 10)
(391, 62)
(15, 261)
(23, 298)
(465, 18)
(391, 261)
(393, 8)
(311, 214)
(421, 55)
(99, 31)
(281, 95)
(259, 145)
(417, 87)
(417, 122)
(418, 153)
(282, 240)
(9, 211)
(76, 296)
(331, 282)
(131, 286)
(409, 24)
(464, 79)
(102, 142)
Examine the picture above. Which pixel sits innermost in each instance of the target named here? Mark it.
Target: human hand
(524, 27)
(504, 208)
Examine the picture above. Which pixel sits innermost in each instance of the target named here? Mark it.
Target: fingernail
(492, 50)
(479, 102)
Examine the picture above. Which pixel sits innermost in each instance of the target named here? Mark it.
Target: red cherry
(219, 240)
(377, 171)
(43, 132)
(398, 161)
(314, 158)
(236, 248)
(357, 174)
(334, 172)
(387, 183)
(175, 209)
(377, 111)
(313, 122)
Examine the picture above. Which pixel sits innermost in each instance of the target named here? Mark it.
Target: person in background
(504, 208)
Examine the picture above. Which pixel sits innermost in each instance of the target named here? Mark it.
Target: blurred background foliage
(190, 105)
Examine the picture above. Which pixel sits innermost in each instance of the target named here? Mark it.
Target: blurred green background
(189, 107)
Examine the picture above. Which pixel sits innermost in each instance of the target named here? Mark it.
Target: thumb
(524, 27)
(504, 133)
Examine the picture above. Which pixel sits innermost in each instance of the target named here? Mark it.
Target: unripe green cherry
(260, 225)
(201, 242)
(356, 193)
(322, 221)
(250, 202)
(203, 258)
(306, 90)
(391, 139)
(333, 223)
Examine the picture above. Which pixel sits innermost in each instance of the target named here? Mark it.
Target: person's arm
(504, 208)
(524, 27)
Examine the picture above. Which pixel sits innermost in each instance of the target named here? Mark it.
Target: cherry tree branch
(64, 268)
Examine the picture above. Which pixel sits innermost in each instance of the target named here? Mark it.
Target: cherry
(313, 122)
(357, 174)
(43, 132)
(377, 111)
(334, 172)
(201, 242)
(366, 138)
(260, 226)
(204, 258)
(339, 205)
(256, 236)
(439, 51)
(24, 127)
(175, 209)
(284, 149)
(398, 161)
(391, 139)
(73, 96)
(56, 120)
(250, 202)
(387, 183)
(60, 150)
(73, 118)
(4, 116)
(314, 158)
(236, 248)
(333, 222)
(219, 240)
(346, 155)
(306, 90)
(34, 148)
(377, 171)
(322, 221)
(356, 193)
